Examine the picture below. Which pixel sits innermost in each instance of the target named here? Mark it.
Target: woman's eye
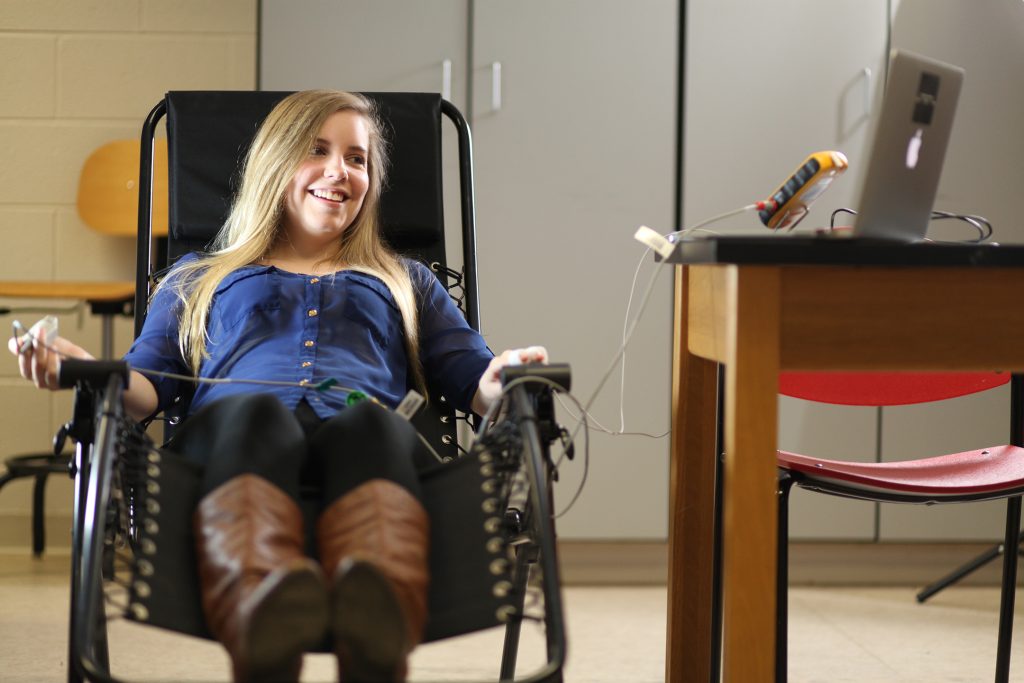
(357, 160)
(318, 151)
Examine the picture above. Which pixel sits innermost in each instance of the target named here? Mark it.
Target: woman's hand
(39, 361)
(489, 389)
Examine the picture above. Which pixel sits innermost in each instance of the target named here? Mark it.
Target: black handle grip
(559, 373)
(92, 372)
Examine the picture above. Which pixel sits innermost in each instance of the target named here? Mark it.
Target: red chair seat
(985, 474)
(970, 474)
(886, 388)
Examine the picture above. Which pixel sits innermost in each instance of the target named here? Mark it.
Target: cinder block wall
(75, 74)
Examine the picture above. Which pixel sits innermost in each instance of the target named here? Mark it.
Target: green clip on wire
(326, 384)
(355, 397)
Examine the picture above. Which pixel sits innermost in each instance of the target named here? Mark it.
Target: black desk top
(811, 250)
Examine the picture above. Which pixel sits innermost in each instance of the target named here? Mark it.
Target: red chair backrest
(886, 388)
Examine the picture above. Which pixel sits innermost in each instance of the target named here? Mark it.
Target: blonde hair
(254, 225)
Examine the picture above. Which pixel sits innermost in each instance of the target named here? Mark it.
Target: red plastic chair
(983, 474)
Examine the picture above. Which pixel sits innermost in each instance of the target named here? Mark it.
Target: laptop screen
(901, 179)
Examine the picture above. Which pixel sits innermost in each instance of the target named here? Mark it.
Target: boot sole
(290, 618)
(369, 626)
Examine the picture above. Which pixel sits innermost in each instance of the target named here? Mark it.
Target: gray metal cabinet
(983, 174)
(371, 45)
(573, 153)
(766, 85)
(390, 45)
(577, 154)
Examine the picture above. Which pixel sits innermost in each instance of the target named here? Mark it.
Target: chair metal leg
(782, 581)
(525, 556)
(965, 569)
(543, 527)
(1008, 591)
(88, 647)
(1012, 537)
(75, 673)
(39, 467)
(38, 514)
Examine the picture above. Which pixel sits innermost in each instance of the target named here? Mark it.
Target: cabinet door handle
(496, 86)
(866, 73)
(446, 79)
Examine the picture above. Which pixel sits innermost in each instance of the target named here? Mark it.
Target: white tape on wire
(47, 325)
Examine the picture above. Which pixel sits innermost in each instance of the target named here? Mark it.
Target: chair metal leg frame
(526, 556)
(1006, 601)
(1008, 592)
(785, 485)
(968, 568)
(1017, 439)
(88, 660)
(38, 506)
(39, 467)
(1013, 513)
(75, 674)
(542, 522)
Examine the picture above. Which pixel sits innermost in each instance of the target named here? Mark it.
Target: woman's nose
(336, 169)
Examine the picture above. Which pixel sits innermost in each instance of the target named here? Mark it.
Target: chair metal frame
(97, 427)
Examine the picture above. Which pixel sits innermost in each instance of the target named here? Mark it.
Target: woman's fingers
(24, 361)
(42, 359)
(39, 356)
(530, 354)
(489, 388)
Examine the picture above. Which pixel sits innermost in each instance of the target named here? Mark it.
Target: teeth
(328, 194)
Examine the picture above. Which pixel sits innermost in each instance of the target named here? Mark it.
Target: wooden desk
(759, 306)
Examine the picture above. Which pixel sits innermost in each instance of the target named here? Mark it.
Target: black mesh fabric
(469, 551)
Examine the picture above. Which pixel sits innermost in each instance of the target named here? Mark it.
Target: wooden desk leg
(691, 508)
(749, 505)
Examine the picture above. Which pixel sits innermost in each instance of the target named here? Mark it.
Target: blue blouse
(270, 324)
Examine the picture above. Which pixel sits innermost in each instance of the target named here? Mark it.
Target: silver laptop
(910, 139)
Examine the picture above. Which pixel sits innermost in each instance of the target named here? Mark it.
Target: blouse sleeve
(156, 348)
(453, 354)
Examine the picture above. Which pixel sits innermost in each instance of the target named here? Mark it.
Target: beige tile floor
(616, 635)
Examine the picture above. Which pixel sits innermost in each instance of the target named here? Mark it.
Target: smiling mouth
(329, 195)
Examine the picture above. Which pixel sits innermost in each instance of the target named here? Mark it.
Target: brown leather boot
(373, 545)
(263, 599)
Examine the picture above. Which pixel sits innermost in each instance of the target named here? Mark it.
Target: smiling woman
(313, 140)
(325, 195)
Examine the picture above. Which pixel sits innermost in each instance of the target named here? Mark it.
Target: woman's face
(327, 191)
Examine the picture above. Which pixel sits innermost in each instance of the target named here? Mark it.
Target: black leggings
(256, 434)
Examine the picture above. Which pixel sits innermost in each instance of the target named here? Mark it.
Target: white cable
(622, 348)
(629, 329)
(605, 430)
(625, 321)
(728, 214)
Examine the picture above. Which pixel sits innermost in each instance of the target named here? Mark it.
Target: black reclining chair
(490, 504)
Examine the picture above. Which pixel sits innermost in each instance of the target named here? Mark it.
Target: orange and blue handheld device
(787, 206)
